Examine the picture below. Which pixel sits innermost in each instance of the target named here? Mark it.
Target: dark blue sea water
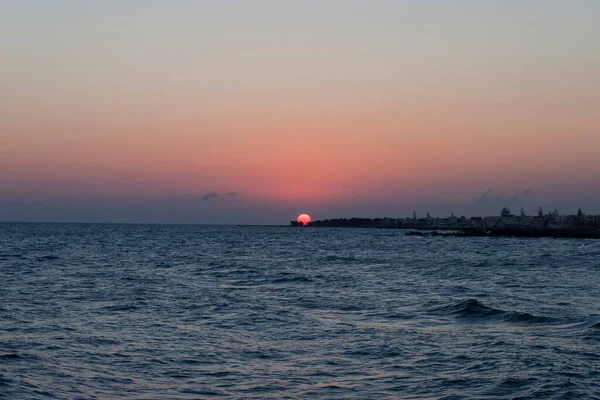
(194, 312)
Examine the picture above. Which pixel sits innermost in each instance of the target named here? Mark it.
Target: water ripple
(187, 312)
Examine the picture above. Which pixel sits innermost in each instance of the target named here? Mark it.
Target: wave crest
(474, 309)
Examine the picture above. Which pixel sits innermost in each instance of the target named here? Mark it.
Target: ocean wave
(123, 307)
(6, 256)
(10, 355)
(592, 323)
(292, 279)
(474, 309)
(334, 258)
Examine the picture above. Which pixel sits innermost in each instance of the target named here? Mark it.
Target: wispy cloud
(218, 195)
(485, 196)
(210, 196)
(491, 202)
(520, 196)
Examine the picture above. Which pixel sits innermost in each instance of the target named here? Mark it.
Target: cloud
(484, 196)
(191, 198)
(491, 202)
(210, 196)
(216, 195)
(487, 198)
(520, 196)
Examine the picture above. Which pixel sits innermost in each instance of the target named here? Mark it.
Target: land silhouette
(551, 224)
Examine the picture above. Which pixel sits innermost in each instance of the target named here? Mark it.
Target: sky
(253, 112)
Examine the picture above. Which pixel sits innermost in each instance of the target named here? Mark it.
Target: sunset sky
(256, 111)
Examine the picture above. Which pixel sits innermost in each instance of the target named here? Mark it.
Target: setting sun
(304, 219)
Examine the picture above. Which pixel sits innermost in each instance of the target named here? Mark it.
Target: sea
(108, 311)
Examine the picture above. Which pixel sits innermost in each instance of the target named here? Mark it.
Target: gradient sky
(255, 111)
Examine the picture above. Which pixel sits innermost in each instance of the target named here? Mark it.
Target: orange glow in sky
(329, 106)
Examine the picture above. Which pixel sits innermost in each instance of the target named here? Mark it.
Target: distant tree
(579, 213)
(414, 215)
(505, 212)
(428, 216)
(451, 215)
(556, 214)
(523, 215)
(540, 212)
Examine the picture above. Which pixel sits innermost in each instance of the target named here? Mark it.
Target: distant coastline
(553, 224)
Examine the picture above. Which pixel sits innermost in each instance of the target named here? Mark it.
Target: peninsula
(552, 224)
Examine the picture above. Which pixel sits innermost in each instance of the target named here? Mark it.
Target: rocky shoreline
(514, 232)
